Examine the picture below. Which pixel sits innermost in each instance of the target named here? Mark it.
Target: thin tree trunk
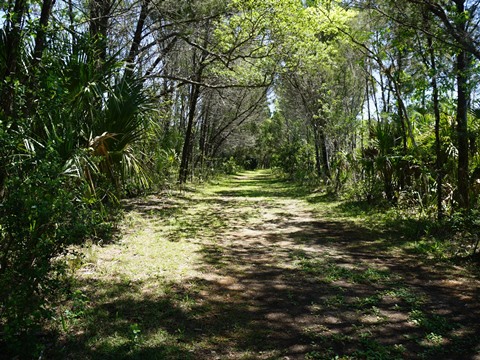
(383, 90)
(203, 136)
(99, 19)
(403, 114)
(323, 144)
(438, 140)
(318, 158)
(137, 38)
(367, 97)
(461, 118)
(32, 78)
(41, 32)
(462, 131)
(195, 89)
(71, 27)
(188, 143)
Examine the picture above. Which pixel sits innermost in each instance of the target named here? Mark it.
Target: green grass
(328, 271)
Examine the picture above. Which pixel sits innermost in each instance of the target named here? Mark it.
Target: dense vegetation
(100, 100)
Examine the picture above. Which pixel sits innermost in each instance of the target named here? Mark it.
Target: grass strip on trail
(253, 267)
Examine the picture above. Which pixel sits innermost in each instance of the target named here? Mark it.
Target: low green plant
(434, 339)
(372, 349)
(77, 309)
(453, 237)
(431, 323)
(135, 333)
(42, 212)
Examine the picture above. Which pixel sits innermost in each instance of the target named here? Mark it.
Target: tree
(318, 87)
(462, 72)
(457, 34)
(225, 52)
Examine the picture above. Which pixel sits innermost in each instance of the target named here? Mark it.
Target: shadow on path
(291, 286)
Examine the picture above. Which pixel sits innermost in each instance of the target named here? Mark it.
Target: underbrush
(407, 225)
(42, 213)
(456, 238)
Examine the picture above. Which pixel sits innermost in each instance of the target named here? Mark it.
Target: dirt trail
(319, 288)
(269, 279)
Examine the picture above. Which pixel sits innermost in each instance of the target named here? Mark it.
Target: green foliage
(121, 125)
(42, 212)
(80, 127)
(135, 333)
(231, 167)
(77, 310)
(456, 236)
(296, 161)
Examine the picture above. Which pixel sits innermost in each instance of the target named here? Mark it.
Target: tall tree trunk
(367, 99)
(462, 130)
(99, 19)
(318, 157)
(188, 143)
(321, 153)
(33, 77)
(199, 64)
(462, 67)
(203, 135)
(325, 162)
(42, 30)
(402, 110)
(71, 27)
(137, 38)
(438, 140)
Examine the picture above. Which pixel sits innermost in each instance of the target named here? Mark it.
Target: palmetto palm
(121, 124)
(104, 115)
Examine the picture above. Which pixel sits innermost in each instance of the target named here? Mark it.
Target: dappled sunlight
(246, 269)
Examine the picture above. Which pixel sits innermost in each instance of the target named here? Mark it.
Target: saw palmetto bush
(122, 124)
(103, 117)
(42, 212)
(63, 166)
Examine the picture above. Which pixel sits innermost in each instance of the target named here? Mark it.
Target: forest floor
(253, 267)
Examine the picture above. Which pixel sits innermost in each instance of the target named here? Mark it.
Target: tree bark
(188, 143)
(137, 38)
(462, 130)
(12, 39)
(41, 32)
(318, 157)
(323, 144)
(438, 140)
(99, 18)
(462, 67)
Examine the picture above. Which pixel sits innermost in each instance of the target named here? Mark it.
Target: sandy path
(266, 278)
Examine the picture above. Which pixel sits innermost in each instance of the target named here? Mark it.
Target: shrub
(42, 212)
(230, 166)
